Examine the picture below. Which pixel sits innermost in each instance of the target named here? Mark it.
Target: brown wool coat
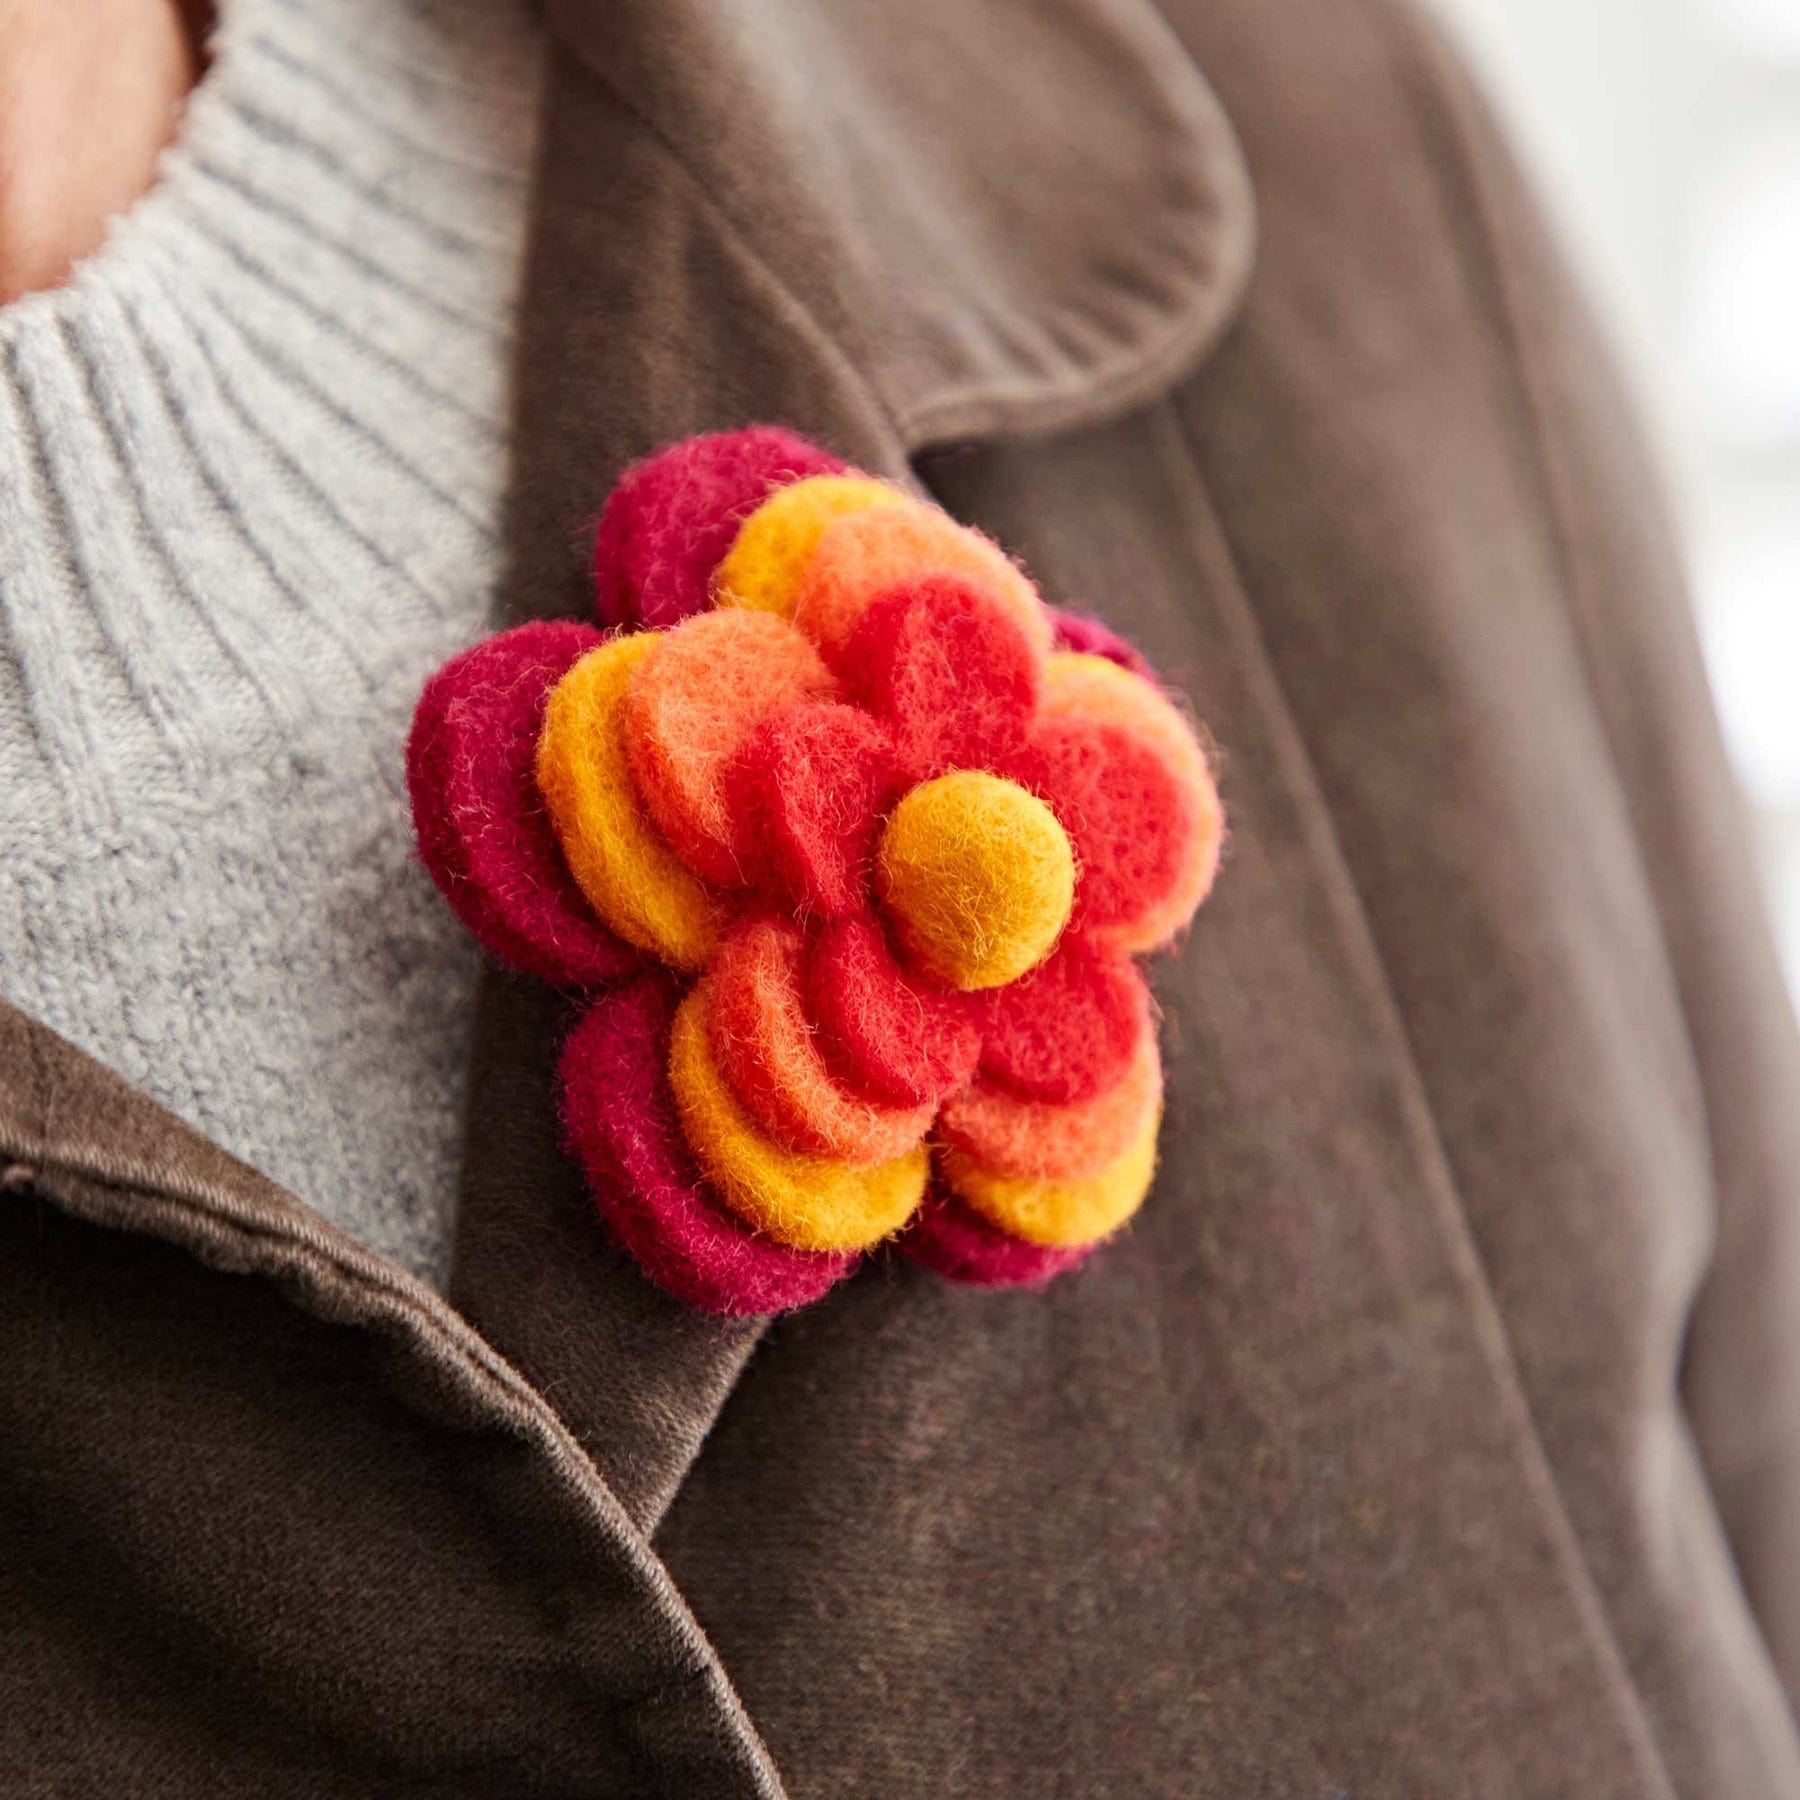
(1435, 1430)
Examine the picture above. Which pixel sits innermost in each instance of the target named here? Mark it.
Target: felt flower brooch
(849, 843)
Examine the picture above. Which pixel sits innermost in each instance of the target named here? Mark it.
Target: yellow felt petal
(1091, 687)
(804, 1201)
(630, 876)
(1058, 1214)
(762, 569)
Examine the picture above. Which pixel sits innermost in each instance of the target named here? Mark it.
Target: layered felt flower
(851, 845)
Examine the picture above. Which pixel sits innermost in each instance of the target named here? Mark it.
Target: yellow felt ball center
(978, 878)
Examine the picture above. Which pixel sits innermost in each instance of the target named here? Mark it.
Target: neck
(90, 92)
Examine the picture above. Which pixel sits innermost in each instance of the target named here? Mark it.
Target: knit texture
(251, 470)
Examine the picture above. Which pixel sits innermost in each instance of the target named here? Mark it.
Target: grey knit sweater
(251, 465)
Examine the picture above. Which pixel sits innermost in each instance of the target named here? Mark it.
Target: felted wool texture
(693, 699)
(767, 1050)
(1132, 821)
(770, 551)
(1094, 687)
(1077, 634)
(949, 666)
(807, 790)
(673, 516)
(1058, 1214)
(619, 1120)
(805, 1201)
(630, 876)
(864, 555)
(1069, 1030)
(894, 1035)
(483, 833)
(952, 1240)
(1037, 1140)
(977, 876)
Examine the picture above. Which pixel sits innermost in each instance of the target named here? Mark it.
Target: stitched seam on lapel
(981, 408)
(1437, 1178)
(741, 238)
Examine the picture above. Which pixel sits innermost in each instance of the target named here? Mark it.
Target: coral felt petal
(947, 663)
(806, 1201)
(954, 1241)
(862, 556)
(483, 830)
(1036, 1140)
(1057, 1214)
(620, 1122)
(901, 1039)
(768, 1052)
(673, 516)
(693, 700)
(1132, 819)
(806, 791)
(1096, 687)
(1069, 1029)
(630, 876)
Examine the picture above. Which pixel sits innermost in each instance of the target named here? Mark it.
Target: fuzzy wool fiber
(625, 867)
(978, 878)
(673, 516)
(804, 1201)
(619, 1120)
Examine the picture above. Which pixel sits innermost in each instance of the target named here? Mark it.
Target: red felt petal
(672, 517)
(1068, 1030)
(483, 831)
(954, 1241)
(807, 793)
(620, 1122)
(1128, 814)
(1088, 637)
(896, 1037)
(950, 667)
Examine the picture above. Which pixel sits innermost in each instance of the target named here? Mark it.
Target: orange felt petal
(766, 1048)
(1033, 1140)
(864, 554)
(693, 700)
(1092, 687)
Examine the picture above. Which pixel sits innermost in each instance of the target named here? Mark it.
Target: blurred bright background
(1665, 135)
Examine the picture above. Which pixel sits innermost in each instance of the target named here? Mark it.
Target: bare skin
(90, 93)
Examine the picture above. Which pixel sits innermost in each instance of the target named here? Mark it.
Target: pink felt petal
(672, 517)
(620, 1121)
(1088, 637)
(483, 831)
(950, 667)
(952, 1240)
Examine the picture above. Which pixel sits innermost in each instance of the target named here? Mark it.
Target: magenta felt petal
(1088, 637)
(620, 1121)
(953, 1241)
(483, 831)
(672, 517)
